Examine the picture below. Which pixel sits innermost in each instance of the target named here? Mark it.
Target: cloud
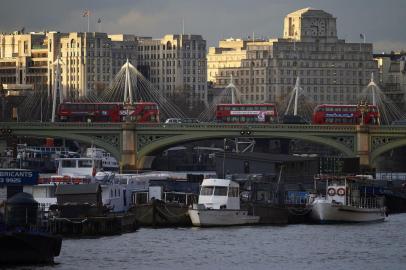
(381, 21)
(389, 45)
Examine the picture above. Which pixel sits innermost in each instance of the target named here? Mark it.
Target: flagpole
(88, 21)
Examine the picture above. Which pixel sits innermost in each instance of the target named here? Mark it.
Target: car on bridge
(173, 121)
(190, 121)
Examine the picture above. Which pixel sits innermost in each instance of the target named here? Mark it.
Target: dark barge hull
(161, 214)
(93, 226)
(395, 202)
(28, 248)
(268, 213)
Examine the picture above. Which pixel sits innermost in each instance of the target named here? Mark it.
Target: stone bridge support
(363, 147)
(129, 157)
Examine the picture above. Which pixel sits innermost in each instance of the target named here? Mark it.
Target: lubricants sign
(18, 177)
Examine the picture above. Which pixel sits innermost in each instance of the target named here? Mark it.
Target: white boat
(347, 201)
(219, 205)
(109, 163)
(117, 189)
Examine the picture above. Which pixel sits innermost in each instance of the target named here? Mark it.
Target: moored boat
(347, 200)
(165, 203)
(21, 241)
(219, 205)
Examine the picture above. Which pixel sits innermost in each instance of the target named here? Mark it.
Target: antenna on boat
(224, 156)
(279, 181)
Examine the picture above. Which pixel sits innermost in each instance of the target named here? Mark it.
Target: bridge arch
(177, 139)
(76, 137)
(387, 147)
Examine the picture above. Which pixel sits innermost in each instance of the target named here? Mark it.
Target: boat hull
(222, 217)
(28, 248)
(161, 214)
(268, 213)
(325, 212)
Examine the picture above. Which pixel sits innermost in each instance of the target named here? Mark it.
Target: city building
(228, 55)
(24, 59)
(174, 64)
(330, 69)
(392, 76)
(89, 61)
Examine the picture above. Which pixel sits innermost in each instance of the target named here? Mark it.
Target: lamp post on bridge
(363, 108)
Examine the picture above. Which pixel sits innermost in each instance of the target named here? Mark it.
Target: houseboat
(165, 203)
(219, 205)
(347, 200)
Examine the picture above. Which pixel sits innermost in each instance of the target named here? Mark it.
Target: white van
(173, 121)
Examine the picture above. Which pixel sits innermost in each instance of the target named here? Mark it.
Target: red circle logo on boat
(331, 191)
(341, 191)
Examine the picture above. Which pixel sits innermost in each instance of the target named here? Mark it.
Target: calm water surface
(362, 246)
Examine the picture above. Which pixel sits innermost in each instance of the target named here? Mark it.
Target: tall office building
(330, 70)
(89, 61)
(175, 63)
(24, 59)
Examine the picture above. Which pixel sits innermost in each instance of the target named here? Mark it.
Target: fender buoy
(341, 192)
(331, 192)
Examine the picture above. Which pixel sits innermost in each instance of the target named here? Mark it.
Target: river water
(355, 246)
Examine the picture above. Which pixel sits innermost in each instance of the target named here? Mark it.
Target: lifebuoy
(331, 192)
(341, 192)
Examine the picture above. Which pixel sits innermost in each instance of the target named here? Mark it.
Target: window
(220, 191)
(69, 163)
(85, 163)
(233, 192)
(206, 191)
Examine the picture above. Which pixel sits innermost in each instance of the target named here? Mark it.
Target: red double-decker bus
(246, 113)
(333, 114)
(142, 112)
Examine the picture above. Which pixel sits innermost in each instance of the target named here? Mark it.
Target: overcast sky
(382, 21)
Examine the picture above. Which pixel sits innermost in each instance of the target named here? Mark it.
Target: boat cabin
(78, 166)
(219, 194)
(353, 190)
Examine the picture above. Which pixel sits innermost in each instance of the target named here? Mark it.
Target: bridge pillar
(363, 147)
(129, 147)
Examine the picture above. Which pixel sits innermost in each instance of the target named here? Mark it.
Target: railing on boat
(371, 202)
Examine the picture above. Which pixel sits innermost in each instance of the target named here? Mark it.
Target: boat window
(69, 163)
(220, 191)
(207, 191)
(233, 192)
(85, 163)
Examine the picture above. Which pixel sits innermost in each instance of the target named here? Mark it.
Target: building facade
(330, 70)
(392, 77)
(175, 63)
(24, 59)
(89, 61)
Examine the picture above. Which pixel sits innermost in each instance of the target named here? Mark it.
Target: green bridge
(132, 143)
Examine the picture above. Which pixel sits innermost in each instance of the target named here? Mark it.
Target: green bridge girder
(150, 138)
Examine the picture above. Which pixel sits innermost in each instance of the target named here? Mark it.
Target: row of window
(219, 191)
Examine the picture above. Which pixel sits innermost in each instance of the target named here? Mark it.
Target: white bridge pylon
(57, 87)
(128, 94)
(294, 94)
(373, 87)
(235, 95)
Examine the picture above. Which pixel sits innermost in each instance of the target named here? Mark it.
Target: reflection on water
(367, 246)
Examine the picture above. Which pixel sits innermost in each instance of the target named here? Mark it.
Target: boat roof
(79, 158)
(219, 182)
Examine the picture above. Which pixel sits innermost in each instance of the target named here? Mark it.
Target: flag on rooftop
(99, 20)
(86, 13)
(361, 36)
